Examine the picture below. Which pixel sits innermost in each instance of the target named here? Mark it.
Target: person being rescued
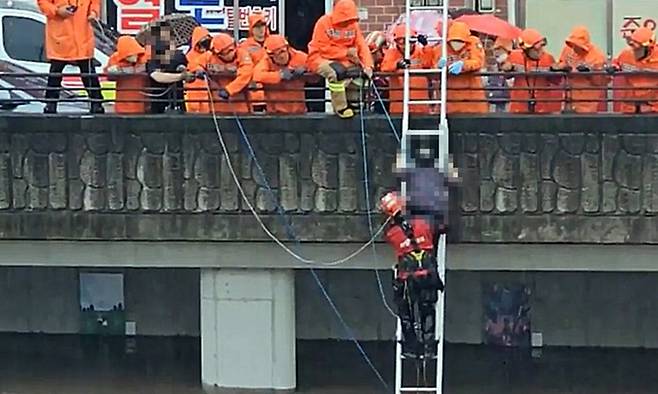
(255, 46)
(127, 66)
(579, 58)
(281, 72)
(530, 93)
(196, 94)
(229, 70)
(339, 53)
(465, 59)
(641, 55)
(394, 60)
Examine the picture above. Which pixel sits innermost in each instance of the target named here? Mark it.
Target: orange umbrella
(491, 25)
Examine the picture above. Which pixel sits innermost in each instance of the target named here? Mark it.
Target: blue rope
(388, 116)
(291, 235)
(366, 184)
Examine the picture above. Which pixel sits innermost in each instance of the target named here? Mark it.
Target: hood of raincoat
(580, 37)
(221, 41)
(504, 43)
(344, 11)
(198, 33)
(275, 42)
(459, 31)
(128, 46)
(529, 38)
(643, 37)
(255, 19)
(401, 30)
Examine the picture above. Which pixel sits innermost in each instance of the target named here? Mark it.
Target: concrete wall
(552, 179)
(570, 309)
(161, 302)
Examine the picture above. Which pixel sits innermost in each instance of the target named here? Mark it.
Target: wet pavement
(44, 364)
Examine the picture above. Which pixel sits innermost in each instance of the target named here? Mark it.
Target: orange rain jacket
(418, 85)
(196, 94)
(220, 73)
(584, 100)
(331, 41)
(464, 86)
(525, 85)
(256, 49)
(644, 87)
(257, 52)
(130, 98)
(70, 38)
(269, 73)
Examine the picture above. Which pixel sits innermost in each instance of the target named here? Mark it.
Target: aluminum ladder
(440, 136)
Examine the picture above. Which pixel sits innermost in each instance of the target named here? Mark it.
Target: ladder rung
(421, 389)
(425, 70)
(424, 102)
(427, 7)
(424, 132)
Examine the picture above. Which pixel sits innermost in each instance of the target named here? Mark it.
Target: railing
(558, 92)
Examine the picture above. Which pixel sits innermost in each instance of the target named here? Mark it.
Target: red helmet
(391, 204)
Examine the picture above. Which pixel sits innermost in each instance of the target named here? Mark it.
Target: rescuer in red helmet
(416, 272)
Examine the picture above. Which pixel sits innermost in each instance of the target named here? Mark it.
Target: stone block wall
(537, 179)
(567, 187)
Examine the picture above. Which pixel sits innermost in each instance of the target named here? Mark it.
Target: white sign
(628, 16)
(133, 14)
(217, 16)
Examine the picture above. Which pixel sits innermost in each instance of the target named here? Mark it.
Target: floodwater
(45, 364)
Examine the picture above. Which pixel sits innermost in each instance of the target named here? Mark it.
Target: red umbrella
(491, 25)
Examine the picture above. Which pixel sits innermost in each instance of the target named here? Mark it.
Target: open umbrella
(491, 25)
(424, 22)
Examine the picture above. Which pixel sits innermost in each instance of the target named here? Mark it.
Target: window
(24, 39)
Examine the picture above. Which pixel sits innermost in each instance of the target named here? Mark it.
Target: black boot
(50, 108)
(96, 108)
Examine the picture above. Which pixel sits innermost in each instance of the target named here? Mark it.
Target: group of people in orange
(265, 74)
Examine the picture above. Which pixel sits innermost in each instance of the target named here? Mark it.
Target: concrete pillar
(248, 329)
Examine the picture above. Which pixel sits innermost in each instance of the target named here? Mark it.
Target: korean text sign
(216, 15)
(133, 14)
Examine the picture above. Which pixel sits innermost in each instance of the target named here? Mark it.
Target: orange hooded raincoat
(644, 87)
(583, 100)
(257, 52)
(196, 94)
(334, 34)
(418, 85)
(464, 86)
(268, 72)
(130, 97)
(526, 85)
(221, 73)
(70, 38)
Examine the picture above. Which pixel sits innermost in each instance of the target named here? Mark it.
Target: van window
(23, 39)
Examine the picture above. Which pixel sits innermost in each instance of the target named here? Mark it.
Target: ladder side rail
(398, 348)
(441, 247)
(439, 320)
(406, 81)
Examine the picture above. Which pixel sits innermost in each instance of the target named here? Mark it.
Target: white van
(22, 42)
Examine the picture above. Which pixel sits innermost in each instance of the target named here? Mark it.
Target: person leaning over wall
(336, 50)
(282, 73)
(127, 66)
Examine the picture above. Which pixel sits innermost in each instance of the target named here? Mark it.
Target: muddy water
(39, 364)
